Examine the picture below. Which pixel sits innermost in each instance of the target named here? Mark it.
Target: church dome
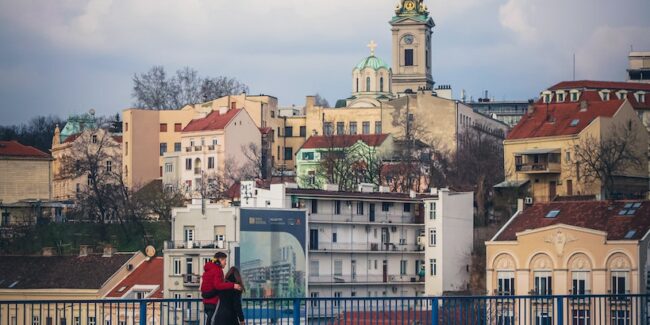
(372, 62)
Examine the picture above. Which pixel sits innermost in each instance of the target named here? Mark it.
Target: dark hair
(234, 276)
(219, 255)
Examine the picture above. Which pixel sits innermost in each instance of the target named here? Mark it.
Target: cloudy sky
(67, 56)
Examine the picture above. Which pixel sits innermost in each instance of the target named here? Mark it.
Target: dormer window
(575, 95)
(547, 96)
(560, 97)
(640, 97)
(604, 95)
(622, 94)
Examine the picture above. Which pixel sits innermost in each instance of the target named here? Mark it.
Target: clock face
(409, 5)
(408, 39)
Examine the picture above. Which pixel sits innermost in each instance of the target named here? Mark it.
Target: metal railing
(481, 310)
(383, 218)
(195, 244)
(366, 247)
(363, 278)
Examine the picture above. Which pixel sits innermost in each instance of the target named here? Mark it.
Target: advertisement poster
(272, 253)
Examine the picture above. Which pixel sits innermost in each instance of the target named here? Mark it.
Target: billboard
(272, 253)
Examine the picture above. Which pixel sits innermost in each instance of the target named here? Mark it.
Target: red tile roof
(343, 141)
(148, 273)
(591, 84)
(536, 124)
(596, 215)
(266, 130)
(16, 149)
(214, 121)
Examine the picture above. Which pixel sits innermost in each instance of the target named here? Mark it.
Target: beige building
(207, 146)
(639, 68)
(540, 151)
(563, 248)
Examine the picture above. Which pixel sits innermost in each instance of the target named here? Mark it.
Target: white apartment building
(377, 243)
(198, 232)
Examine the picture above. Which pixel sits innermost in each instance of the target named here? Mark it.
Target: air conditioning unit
(402, 241)
(528, 200)
(220, 244)
(394, 289)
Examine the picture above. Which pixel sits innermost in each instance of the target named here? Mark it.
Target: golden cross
(372, 46)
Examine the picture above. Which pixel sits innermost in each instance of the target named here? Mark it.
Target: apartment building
(377, 243)
(199, 230)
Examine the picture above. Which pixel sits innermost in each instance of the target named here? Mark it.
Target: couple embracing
(222, 295)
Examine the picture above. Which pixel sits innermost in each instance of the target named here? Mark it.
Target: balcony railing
(211, 147)
(392, 309)
(191, 280)
(366, 247)
(363, 279)
(380, 218)
(195, 244)
(539, 168)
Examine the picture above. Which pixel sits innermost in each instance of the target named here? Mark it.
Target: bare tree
(320, 101)
(38, 132)
(159, 200)
(615, 155)
(256, 162)
(155, 90)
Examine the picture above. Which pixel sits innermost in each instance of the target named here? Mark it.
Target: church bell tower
(412, 28)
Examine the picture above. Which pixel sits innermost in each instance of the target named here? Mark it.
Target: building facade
(639, 68)
(376, 243)
(198, 232)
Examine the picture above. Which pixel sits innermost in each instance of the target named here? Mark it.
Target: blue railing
(487, 310)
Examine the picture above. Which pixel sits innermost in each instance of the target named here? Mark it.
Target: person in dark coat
(230, 310)
(213, 282)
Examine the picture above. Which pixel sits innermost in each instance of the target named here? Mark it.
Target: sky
(65, 57)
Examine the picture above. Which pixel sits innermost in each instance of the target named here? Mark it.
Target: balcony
(197, 171)
(191, 280)
(367, 247)
(379, 218)
(364, 279)
(539, 168)
(198, 148)
(188, 149)
(538, 161)
(211, 148)
(196, 244)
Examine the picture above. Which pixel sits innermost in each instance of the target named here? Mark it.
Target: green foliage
(67, 237)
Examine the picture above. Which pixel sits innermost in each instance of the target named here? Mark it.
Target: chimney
(108, 250)
(384, 189)
(311, 101)
(520, 204)
(584, 105)
(412, 194)
(331, 187)
(47, 251)
(83, 250)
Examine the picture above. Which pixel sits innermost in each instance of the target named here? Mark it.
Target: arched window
(381, 84)
(357, 84)
(367, 83)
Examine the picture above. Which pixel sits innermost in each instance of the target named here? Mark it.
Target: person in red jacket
(213, 279)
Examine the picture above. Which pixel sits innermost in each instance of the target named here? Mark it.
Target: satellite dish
(150, 251)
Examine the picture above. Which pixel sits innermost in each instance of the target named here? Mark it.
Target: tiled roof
(214, 121)
(266, 130)
(16, 149)
(555, 119)
(59, 272)
(591, 84)
(596, 215)
(148, 273)
(343, 141)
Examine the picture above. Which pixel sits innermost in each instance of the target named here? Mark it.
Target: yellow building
(540, 152)
(562, 248)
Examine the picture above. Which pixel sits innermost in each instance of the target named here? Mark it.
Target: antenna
(574, 67)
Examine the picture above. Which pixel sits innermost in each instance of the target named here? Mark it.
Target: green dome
(372, 62)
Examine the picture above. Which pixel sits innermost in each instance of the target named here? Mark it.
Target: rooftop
(617, 218)
(372, 62)
(16, 149)
(59, 272)
(592, 84)
(214, 121)
(148, 273)
(343, 141)
(389, 196)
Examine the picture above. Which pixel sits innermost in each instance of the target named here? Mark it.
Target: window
(315, 302)
(432, 210)
(544, 318)
(340, 128)
(92, 320)
(640, 97)
(288, 131)
(36, 320)
(189, 265)
(620, 317)
(580, 317)
(543, 283)
(575, 122)
(629, 209)
(178, 127)
(619, 283)
(552, 214)
(334, 236)
(177, 146)
(314, 266)
(621, 95)
(381, 84)
(210, 162)
(547, 98)
(505, 283)
(188, 163)
(433, 237)
(560, 97)
(303, 131)
(307, 156)
(314, 206)
(630, 234)
(408, 57)
(368, 84)
(357, 85)
(402, 267)
(163, 127)
(579, 283)
(288, 153)
(328, 128)
(176, 266)
(378, 127)
(338, 268)
(604, 95)
(360, 208)
(574, 96)
(189, 233)
(335, 302)
(407, 207)
(365, 127)
(76, 320)
(353, 128)
(337, 207)
(169, 168)
(109, 166)
(163, 148)
(433, 267)
(94, 138)
(385, 206)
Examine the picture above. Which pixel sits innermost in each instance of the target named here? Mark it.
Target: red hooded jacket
(213, 279)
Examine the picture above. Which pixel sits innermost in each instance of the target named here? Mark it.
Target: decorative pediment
(559, 240)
